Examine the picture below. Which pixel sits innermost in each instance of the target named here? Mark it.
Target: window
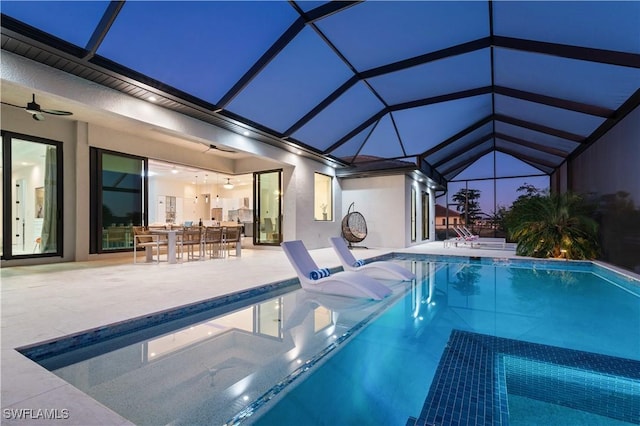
(118, 199)
(413, 214)
(323, 197)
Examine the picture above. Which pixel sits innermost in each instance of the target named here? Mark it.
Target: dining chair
(142, 238)
(213, 241)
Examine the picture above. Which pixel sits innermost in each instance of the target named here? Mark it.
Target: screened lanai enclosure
(488, 95)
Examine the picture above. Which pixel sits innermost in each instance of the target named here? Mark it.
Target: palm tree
(556, 225)
(468, 204)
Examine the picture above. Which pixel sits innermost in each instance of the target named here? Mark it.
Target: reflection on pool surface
(286, 359)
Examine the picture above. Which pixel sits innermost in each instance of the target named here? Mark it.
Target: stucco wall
(385, 204)
(78, 137)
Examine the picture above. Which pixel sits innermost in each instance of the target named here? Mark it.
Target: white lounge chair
(468, 233)
(464, 235)
(345, 283)
(477, 241)
(307, 302)
(378, 269)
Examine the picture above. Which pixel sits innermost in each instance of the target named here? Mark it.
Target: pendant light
(206, 196)
(196, 201)
(228, 185)
(217, 186)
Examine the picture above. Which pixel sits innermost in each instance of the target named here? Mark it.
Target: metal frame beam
(526, 158)
(100, 32)
(540, 128)
(467, 161)
(554, 102)
(629, 105)
(538, 147)
(263, 61)
(589, 54)
(457, 136)
(463, 149)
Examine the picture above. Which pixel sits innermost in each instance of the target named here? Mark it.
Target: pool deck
(46, 302)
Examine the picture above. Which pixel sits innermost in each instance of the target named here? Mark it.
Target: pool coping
(55, 346)
(52, 389)
(51, 347)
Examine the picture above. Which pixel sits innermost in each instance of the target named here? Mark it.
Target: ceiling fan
(36, 111)
(218, 148)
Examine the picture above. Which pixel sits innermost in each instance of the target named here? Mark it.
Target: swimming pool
(299, 358)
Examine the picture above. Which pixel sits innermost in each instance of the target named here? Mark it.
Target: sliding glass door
(267, 190)
(425, 215)
(31, 197)
(118, 200)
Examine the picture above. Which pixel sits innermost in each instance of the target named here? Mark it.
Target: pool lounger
(487, 241)
(346, 283)
(479, 242)
(377, 269)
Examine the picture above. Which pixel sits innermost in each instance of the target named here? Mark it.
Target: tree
(497, 219)
(467, 204)
(556, 225)
(529, 191)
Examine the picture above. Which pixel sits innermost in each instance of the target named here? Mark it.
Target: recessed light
(298, 152)
(152, 98)
(246, 133)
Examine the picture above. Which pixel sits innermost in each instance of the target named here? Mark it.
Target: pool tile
(476, 370)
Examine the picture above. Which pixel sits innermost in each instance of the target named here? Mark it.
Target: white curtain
(50, 218)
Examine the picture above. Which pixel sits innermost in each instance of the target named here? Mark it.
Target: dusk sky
(383, 101)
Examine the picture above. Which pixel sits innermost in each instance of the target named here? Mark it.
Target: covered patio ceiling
(375, 85)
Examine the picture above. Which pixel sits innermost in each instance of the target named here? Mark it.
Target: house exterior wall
(389, 218)
(78, 137)
(130, 113)
(385, 203)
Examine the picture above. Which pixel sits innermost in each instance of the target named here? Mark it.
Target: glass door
(32, 187)
(118, 200)
(413, 214)
(267, 193)
(425, 215)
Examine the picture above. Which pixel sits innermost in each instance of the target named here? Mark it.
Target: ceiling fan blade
(227, 150)
(56, 112)
(13, 105)
(211, 146)
(34, 108)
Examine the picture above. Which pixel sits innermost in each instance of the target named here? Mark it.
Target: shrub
(553, 225)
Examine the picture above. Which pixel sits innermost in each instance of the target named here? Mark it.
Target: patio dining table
(171, 244)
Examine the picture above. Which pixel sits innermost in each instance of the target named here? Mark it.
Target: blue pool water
(304, 359)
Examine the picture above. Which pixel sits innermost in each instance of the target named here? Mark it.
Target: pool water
(301, 358)
(532, 412)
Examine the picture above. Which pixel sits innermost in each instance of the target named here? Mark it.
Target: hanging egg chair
(354, 227)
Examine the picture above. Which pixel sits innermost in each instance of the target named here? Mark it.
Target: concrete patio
(46, 302)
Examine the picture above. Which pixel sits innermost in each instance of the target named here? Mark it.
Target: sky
(171, 42)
